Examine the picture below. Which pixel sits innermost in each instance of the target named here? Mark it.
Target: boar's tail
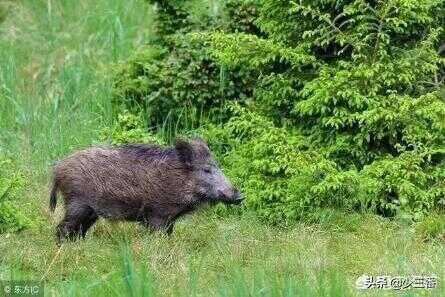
(53, 196)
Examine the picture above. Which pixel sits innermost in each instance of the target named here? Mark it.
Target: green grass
(54, 72)
(55, 93)
(213, 256)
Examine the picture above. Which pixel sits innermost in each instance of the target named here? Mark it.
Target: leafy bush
(369, 95)
(240, 16)
(165, 84)
(171, 16)
(284, 179)
(280, 179)
(360, 82)
(128, 128)
(408, 183)
(180, 74)
(11, 186)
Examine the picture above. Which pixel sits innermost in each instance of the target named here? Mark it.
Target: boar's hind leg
(78, 219)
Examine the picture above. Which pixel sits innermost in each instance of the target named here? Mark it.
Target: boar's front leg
(159, 223)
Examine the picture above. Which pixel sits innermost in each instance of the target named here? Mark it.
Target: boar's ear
(185, 151)
(201, 148)
(199, 141)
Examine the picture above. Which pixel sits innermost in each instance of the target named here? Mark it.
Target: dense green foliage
(12, 183)
(128, 128)
(359, 84)
(180, 85)
(181, 17)
(171, 16)
(285, 181)
(357, 93)
(175, 79)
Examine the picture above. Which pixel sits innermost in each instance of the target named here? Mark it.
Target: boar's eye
(207, 170)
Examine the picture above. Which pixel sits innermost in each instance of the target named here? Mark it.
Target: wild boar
(150, 184)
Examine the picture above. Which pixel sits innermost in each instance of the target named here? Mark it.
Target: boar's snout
(230, 196)
(237, 198)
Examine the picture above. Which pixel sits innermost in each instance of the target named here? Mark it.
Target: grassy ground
(208, 256)
(55, 97)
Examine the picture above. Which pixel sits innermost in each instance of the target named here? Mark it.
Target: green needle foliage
(359, 82)
(176, 73)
